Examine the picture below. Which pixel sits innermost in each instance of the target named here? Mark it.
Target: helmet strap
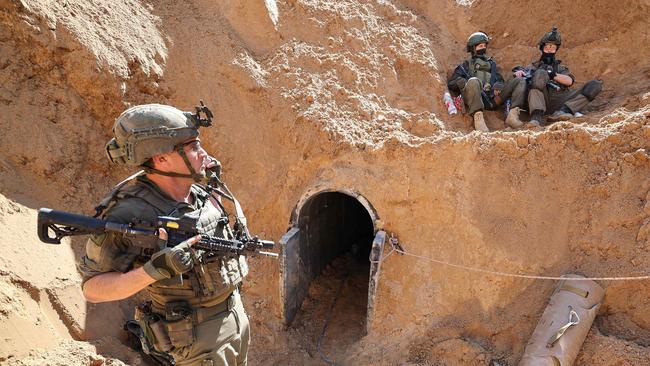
(193, 174)
(167, 174)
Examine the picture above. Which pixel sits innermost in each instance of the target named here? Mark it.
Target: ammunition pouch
(152, 328)
(177, 327)
(134, 330)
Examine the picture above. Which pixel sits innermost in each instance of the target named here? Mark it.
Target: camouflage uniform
(474, 76)
(217, 330)
(195, 316)
(547, 96)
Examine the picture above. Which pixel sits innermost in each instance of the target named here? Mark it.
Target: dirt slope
(312, 95)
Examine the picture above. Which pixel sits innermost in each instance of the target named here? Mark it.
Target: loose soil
(343, 95)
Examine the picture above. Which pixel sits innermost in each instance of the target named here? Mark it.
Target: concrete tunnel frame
(296, 269)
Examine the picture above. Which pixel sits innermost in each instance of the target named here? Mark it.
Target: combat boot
(479, 122)
(512, 119)
(562, 114)
(536, 118)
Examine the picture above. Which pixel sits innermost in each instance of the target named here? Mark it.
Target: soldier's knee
(591, 89)
(519, 81)
(539, 80)
(473, 83)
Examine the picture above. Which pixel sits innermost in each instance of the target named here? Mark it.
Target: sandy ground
(337, 95)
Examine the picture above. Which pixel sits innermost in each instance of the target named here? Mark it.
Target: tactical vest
(213, 277)
(481, 69)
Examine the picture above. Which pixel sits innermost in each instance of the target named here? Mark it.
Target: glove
(215, 168)
(170, 262)
(487, 87)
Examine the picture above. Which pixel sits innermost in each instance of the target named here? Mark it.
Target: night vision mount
(553, 37)
(202, 110)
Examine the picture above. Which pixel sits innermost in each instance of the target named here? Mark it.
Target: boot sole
(559, 118)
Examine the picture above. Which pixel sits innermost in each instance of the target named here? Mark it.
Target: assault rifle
(55, 225)
(487, 98)
(528, 76)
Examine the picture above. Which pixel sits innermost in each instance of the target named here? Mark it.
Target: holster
(559, 335)
(152, 327)
(176, 328)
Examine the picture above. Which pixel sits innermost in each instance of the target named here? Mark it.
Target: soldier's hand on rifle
(487, 87)
(519, 73)
(170, 262)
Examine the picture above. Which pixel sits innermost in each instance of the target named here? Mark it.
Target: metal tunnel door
(294, 281)
(296, 274)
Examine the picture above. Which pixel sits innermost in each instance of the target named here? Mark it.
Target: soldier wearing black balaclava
(483, 87)
(551, 82)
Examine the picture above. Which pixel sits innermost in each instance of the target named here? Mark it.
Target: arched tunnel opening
(326, 269)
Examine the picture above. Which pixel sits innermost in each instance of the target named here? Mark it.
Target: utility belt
(176, 328)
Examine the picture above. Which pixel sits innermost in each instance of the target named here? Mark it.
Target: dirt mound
(318, 96)
(74, 353)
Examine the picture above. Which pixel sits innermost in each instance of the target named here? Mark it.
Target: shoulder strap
(109, 199)
(241, 218)
(468, 68)
(138, 191)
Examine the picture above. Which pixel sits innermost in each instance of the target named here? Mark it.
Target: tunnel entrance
(329, 265)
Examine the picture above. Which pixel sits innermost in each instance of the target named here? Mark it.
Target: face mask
(548, 58)
(481, 52)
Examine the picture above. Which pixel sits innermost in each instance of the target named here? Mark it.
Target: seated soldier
(482, 87)
(550, 85)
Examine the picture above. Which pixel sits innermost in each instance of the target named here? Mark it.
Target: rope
(327, 320)
(506, 274)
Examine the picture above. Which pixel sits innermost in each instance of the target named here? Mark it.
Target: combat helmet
(144, 131)
(476, 38)
(551, 37)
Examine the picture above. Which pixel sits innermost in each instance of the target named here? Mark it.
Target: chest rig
(213, 277)
(484, 70)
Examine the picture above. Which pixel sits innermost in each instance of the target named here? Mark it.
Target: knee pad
(539, 80)
(591, 89)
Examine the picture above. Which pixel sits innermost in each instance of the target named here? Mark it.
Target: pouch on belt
(153, 328)
(559, 335)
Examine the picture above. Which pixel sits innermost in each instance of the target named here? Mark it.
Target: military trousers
(544, 98)
(513, 89)
(222, 340)
(550, 101)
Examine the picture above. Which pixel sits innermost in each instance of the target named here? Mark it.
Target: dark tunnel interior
(333, 224)
(335, 241)
(326, 271)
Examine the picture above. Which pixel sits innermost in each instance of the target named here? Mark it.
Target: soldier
(551, 82)
(482, 87)
(195, 315)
